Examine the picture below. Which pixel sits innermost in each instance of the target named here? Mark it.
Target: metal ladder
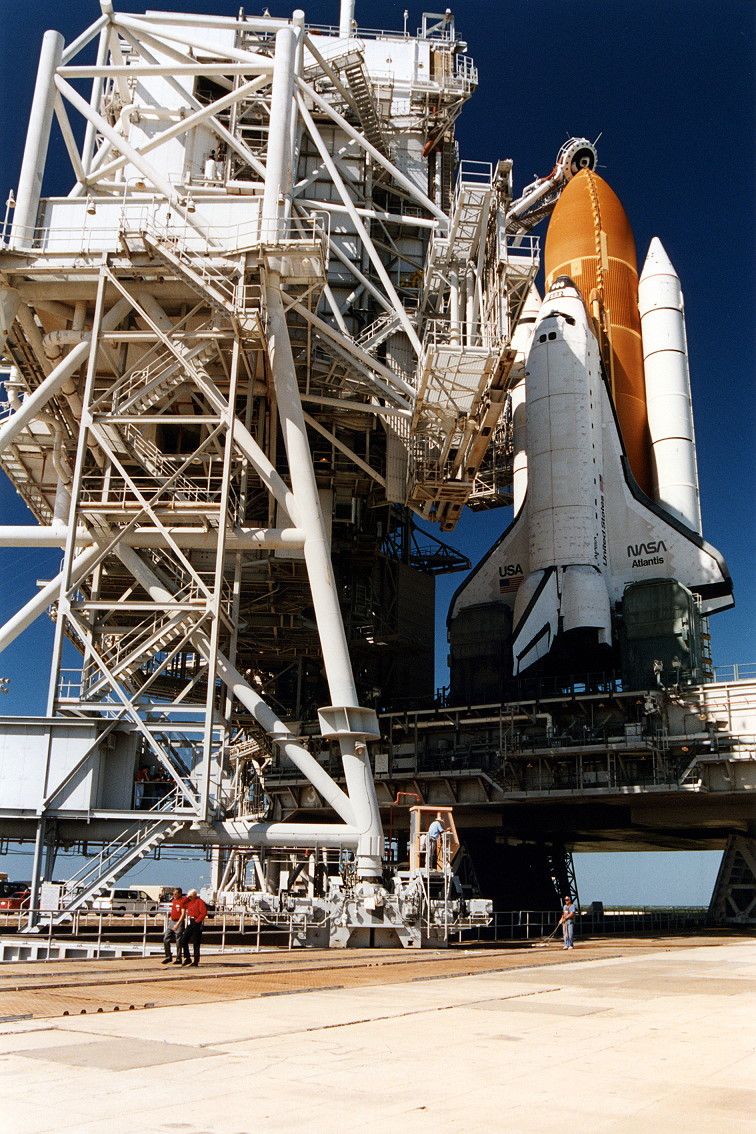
(133, 843)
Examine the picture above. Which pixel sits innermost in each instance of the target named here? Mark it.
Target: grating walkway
(37, 990)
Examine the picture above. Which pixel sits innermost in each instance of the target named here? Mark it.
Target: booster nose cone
(657, 262)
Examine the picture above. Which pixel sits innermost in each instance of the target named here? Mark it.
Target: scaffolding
(263, 328)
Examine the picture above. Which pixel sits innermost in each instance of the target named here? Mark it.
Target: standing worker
(435, 832)
(140, 779)
(172, 928)
(567, 922)
(193, 917)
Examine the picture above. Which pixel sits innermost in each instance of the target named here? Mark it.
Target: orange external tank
(590, 240)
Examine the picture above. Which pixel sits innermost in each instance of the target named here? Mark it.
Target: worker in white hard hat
(435, 833)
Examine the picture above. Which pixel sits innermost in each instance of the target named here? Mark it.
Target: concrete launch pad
(617, 1036)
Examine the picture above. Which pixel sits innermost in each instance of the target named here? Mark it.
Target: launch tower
(266, 328)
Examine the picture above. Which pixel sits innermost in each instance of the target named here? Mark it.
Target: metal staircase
(352, 67)
(378, 331)
(150, 638)
(104, 870)
(196, 269)
(155, 382)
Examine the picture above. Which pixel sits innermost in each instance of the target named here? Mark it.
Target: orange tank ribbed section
(590, 240)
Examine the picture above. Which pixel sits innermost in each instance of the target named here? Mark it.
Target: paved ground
(619, 1038)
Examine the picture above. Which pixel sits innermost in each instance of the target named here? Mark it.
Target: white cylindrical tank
(521, 340)
(670, 411)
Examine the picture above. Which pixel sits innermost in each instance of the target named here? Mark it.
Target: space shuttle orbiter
(606, 450)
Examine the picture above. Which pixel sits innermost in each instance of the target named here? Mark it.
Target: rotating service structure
(267, 323)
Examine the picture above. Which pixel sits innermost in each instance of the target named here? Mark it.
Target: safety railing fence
(100, 930)
(152, 218)
(253, 930)
(538, 925)
(739, 671)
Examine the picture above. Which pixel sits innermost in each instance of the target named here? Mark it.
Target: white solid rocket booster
(670, 411)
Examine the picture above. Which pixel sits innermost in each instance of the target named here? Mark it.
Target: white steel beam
(383, 377)
(358, 461)
(397, 175)
(37, 141)
(185, 124)
(90, 133)
(161, 323)
(255, 63)
(148, 171)
(49, 594)
(375, 259)
(278, 177)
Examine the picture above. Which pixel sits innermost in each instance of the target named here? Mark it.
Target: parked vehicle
(121, 902)
(14, 895)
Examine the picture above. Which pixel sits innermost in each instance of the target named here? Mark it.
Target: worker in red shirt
(180, 899)
(190, 930)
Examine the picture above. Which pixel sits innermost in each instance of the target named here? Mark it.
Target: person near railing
(436, 832)
(178, 904)
(141, 778)
(190, 931)
(567, 922)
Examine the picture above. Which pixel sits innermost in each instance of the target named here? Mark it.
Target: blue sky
(668, 84)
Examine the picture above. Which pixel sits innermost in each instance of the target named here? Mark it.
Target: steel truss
(242, 241)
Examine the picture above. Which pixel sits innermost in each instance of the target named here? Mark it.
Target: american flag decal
(510, 584)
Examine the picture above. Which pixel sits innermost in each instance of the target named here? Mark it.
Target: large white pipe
(242, 539)
(336, 658)
(346, 19)
(32, 405)
(295, 128)
(454, 307)
(278, 163)
(236, 832)
(37, 140)
(670, 409)
(322, 583)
